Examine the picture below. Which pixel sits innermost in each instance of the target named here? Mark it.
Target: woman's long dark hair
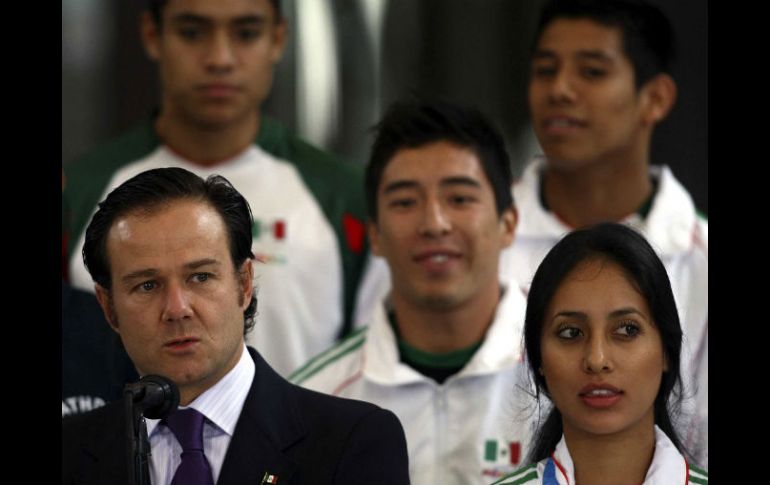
(627, 248)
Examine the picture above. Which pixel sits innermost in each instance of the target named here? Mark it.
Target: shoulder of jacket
(525, 475)
(350, 344)
(696, 475)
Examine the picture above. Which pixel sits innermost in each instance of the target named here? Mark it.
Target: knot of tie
(187, 426)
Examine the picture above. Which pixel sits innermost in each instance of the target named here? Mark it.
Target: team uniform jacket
(675, 231)
(668, 467)
(309, 235)
(469, 429)
(679, 236)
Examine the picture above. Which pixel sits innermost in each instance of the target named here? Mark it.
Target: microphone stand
(138, 445)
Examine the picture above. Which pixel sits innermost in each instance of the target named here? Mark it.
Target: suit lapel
(269, 423)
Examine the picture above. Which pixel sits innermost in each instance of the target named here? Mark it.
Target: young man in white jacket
(443, 349)
(599, 85)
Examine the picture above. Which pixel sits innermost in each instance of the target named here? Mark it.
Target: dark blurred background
(363, 54)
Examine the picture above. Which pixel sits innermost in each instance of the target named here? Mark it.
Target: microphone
(154, 396)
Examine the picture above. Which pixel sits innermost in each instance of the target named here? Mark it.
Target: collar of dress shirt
(222, 403)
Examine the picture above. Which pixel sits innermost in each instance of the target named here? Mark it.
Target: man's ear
(508, 221)
(246, 279)
(105, 301)
(374, 237)
(279, 40)
(659, 95)
(149, 31)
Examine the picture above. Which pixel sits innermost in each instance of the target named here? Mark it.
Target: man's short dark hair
(153, 189)
(156, 9)
(646, 34)
(415, 123)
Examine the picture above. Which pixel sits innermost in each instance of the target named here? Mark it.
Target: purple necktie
(187, 426)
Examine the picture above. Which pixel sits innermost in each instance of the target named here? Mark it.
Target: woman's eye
(569, 333)
(629, 330)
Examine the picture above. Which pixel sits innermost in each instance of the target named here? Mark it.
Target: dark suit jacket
(300, 436)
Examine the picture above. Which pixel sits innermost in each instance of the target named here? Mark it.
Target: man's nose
(177, 304)
(435, 220)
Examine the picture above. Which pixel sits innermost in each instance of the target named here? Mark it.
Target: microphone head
(160, 396)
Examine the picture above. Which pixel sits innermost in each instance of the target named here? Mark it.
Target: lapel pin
(268, 478)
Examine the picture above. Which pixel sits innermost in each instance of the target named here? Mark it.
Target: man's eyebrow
(142, 273)
(193, 18)
(594, 54)
(202, 262)
(190, 18)
(461, 180)
(152, 272)
(590, 54)
(399, 185)
(250, 20)
(411, 184)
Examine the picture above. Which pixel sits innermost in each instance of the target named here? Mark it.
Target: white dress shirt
(221, 405)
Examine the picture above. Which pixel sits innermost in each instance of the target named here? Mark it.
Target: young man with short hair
(216, 60)
(443, 350)
(599, 85)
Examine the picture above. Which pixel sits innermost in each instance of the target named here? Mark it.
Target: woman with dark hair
(603, 342)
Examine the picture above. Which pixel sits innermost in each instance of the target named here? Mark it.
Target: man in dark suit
(171, 257)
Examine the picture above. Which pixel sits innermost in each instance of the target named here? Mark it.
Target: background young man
(442, 351)
(598, 87)
(216, 60)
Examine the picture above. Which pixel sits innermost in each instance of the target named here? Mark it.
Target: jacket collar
(269, 424)
(669, 226)
(501, 348)
(668, 466)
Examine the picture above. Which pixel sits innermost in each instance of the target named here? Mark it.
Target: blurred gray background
(363, 54)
